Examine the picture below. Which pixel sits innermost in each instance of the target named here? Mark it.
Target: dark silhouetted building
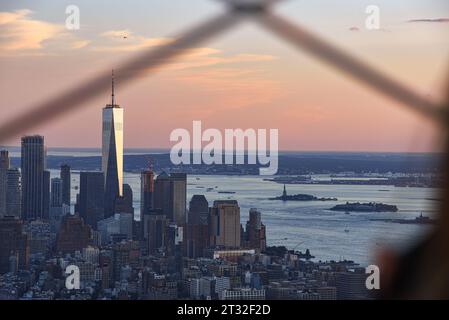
(255, 234)
(56, 205)
(124, 204)
(74, 235)
(124, 254)
(66, 183)
(91, 201)
(162, 194)
(196, 231)
(13, 243)
(157, 237)
(146, 192)
(179, 198)
(4, 167)
(56, 192)
(33, 184)
(170, 192)
(351, 285)
(13, 193)
(46, 198)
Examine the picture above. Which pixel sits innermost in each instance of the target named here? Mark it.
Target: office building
(170, 194)
(351, 285)
(198, 210)
(119, 224)
(65, 176)
(56, 192)
(225, 224)
(179, 198)
(157, 235)
(162, 194)
(33, 184)
(196, 232)
(74, 235)
(255, 236)
(146, 192)
(91, 201)
(13, 193)
(112, 154)
(4, 167)
(124, 204)
(13, 243)
(124, 254)
(46, 195)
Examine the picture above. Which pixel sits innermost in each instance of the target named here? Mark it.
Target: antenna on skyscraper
(113, 95)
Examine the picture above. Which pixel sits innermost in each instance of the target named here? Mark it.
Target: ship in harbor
(300, 197)
(365, 207)
(418, 220)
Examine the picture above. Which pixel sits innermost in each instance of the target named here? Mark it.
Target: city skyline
(313, 108)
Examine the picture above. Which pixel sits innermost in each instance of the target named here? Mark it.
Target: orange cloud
(21, 32)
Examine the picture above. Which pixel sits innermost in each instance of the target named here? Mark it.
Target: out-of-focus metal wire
(330, 54)
(146, 62)
(150, 60)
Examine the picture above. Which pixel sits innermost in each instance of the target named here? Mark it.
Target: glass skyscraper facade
(34, 194)
(112, 154)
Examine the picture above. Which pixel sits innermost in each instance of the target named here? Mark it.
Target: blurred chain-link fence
(260, 11)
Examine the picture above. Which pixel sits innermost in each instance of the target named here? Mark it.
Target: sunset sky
(246, 78)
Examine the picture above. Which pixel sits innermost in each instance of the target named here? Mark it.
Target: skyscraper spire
(113, 94)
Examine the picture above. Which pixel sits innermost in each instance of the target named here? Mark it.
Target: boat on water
(418, 220)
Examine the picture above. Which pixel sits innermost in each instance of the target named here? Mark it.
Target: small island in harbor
(365, 207)
(300, 197)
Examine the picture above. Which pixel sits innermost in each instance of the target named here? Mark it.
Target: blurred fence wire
(260, 11)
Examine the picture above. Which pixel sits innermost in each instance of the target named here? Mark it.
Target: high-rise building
(198, 210)
(32, 168)
(170, 192)
(13, 193)
(124, 204)
(4, 159)
(56, 192)
(351, 284)
(46, 194)
(66, 183)
(162, 194)
(112, 154)
(196, 232)
(91, 201)
(179, 200)
(146, 192)
(74, 235)
(255, 235)
(157, 225)
(13, 242)
(56, 205)
(225, 224)
(4, 166)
